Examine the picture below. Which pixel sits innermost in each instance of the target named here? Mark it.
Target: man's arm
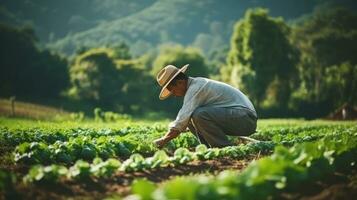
(161, 142)
(194, 98)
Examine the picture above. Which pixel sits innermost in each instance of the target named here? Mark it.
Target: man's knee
(252, 127)
(199, 114)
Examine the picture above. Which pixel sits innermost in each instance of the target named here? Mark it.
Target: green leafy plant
(48, 174)
(182, 155)
(136, 162)
(81, 170)
(160, 158)
(105, 169)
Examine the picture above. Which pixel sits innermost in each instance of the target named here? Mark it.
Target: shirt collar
(189, 81)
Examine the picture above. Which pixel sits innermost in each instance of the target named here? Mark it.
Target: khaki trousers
(211, 125)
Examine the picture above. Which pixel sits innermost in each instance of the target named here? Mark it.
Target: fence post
(12, 100)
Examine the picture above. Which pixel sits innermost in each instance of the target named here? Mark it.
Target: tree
(122, 51)
(179, 56)
(261, 60)
(25, 70)
(138, 90)
(341, 83)
(217, 60)
(328, 41)
(94, 77)
(111, 80)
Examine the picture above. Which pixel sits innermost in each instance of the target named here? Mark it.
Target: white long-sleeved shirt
(206, 92)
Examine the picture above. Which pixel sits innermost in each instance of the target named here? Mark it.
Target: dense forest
(292, 58)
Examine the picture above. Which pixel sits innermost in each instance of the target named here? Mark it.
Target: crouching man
(211, 109)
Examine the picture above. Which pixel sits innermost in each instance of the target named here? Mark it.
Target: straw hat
(165, 76)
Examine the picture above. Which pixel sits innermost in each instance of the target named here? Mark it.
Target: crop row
(328, 147)
(14, 137)
(87, 148)
(84, 170)
(287, 170)
(278, 134)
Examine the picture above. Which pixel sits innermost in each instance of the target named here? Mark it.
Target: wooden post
(12, 100)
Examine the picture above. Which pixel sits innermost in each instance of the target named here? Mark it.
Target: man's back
(216, 94)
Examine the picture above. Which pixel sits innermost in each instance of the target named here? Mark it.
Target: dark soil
(120, 183)
(335, 187)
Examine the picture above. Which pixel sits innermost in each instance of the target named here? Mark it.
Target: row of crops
(286, 170)
(83, 170)
(47, 146)
(52, 155)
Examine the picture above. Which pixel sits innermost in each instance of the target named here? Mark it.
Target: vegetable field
(293, 159)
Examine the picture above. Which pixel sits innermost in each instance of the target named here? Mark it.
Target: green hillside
(55, 19)
(207, 24)
(68, 25)
(181, 21)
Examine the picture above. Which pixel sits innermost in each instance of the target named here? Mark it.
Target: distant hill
(68, 25)
(55, 19)
(179, 21)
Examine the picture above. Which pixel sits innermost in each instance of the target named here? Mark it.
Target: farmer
(211, 109)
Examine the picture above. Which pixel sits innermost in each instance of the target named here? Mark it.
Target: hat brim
(164, 91)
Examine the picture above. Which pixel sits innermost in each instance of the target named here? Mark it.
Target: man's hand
(161, 142)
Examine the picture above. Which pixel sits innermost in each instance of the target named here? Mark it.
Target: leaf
(201, 148)
(143, 188)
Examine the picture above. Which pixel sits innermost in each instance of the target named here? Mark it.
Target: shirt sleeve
(190, 104)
